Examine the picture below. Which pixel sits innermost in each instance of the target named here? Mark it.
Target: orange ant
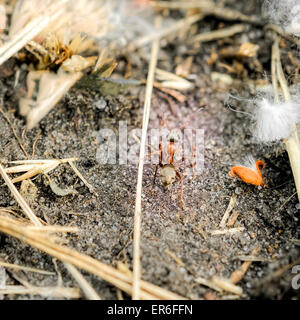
(168, 172)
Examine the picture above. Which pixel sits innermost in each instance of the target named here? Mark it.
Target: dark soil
(270, 215)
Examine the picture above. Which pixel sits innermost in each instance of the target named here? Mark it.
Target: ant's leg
(160, 162)
(192, 165)
(151, 153)
(192, 117)
(160, 155)
(178, 175)
(161, 115)
(156, 167)
(181, 190)
(171, 105)
(190, 161)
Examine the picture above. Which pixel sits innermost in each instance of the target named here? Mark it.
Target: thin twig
(296, 241)
(208, 283)
(279, 71)
(238, 274)
(232, 219)
(227, 285)
(227, 212)
(138, 201)
(87, 289)
(209, 8)
(57, 292)
(218, 34)
(173, 93)
(177, 26)
(35, 142)
(285, 202)
(231, 15)
(203, 4)
(253, 258)
(226, 231)
(23, 204)
(278, 273)
(175, 258)
(274, 58)
(23, 268)
(281, 32)
(88, 185)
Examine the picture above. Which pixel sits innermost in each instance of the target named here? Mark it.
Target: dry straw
(138, 200)
(46, 243)
(42, 237)
(91, 294)
(292, 142)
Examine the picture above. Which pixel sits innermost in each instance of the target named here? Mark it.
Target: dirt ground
(270, 216)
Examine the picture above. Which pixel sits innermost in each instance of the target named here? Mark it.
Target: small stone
(259, 274)
(238, 190)
(101, 104)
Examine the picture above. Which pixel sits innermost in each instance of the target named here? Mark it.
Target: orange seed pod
(249, 175)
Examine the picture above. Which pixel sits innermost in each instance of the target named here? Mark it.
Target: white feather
(285, 13)
(274, 121)
(249, 162)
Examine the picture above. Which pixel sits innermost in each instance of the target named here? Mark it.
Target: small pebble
(238, 190)
(259, 274)
(101, 104)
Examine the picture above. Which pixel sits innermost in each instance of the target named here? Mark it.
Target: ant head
(175, 135)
